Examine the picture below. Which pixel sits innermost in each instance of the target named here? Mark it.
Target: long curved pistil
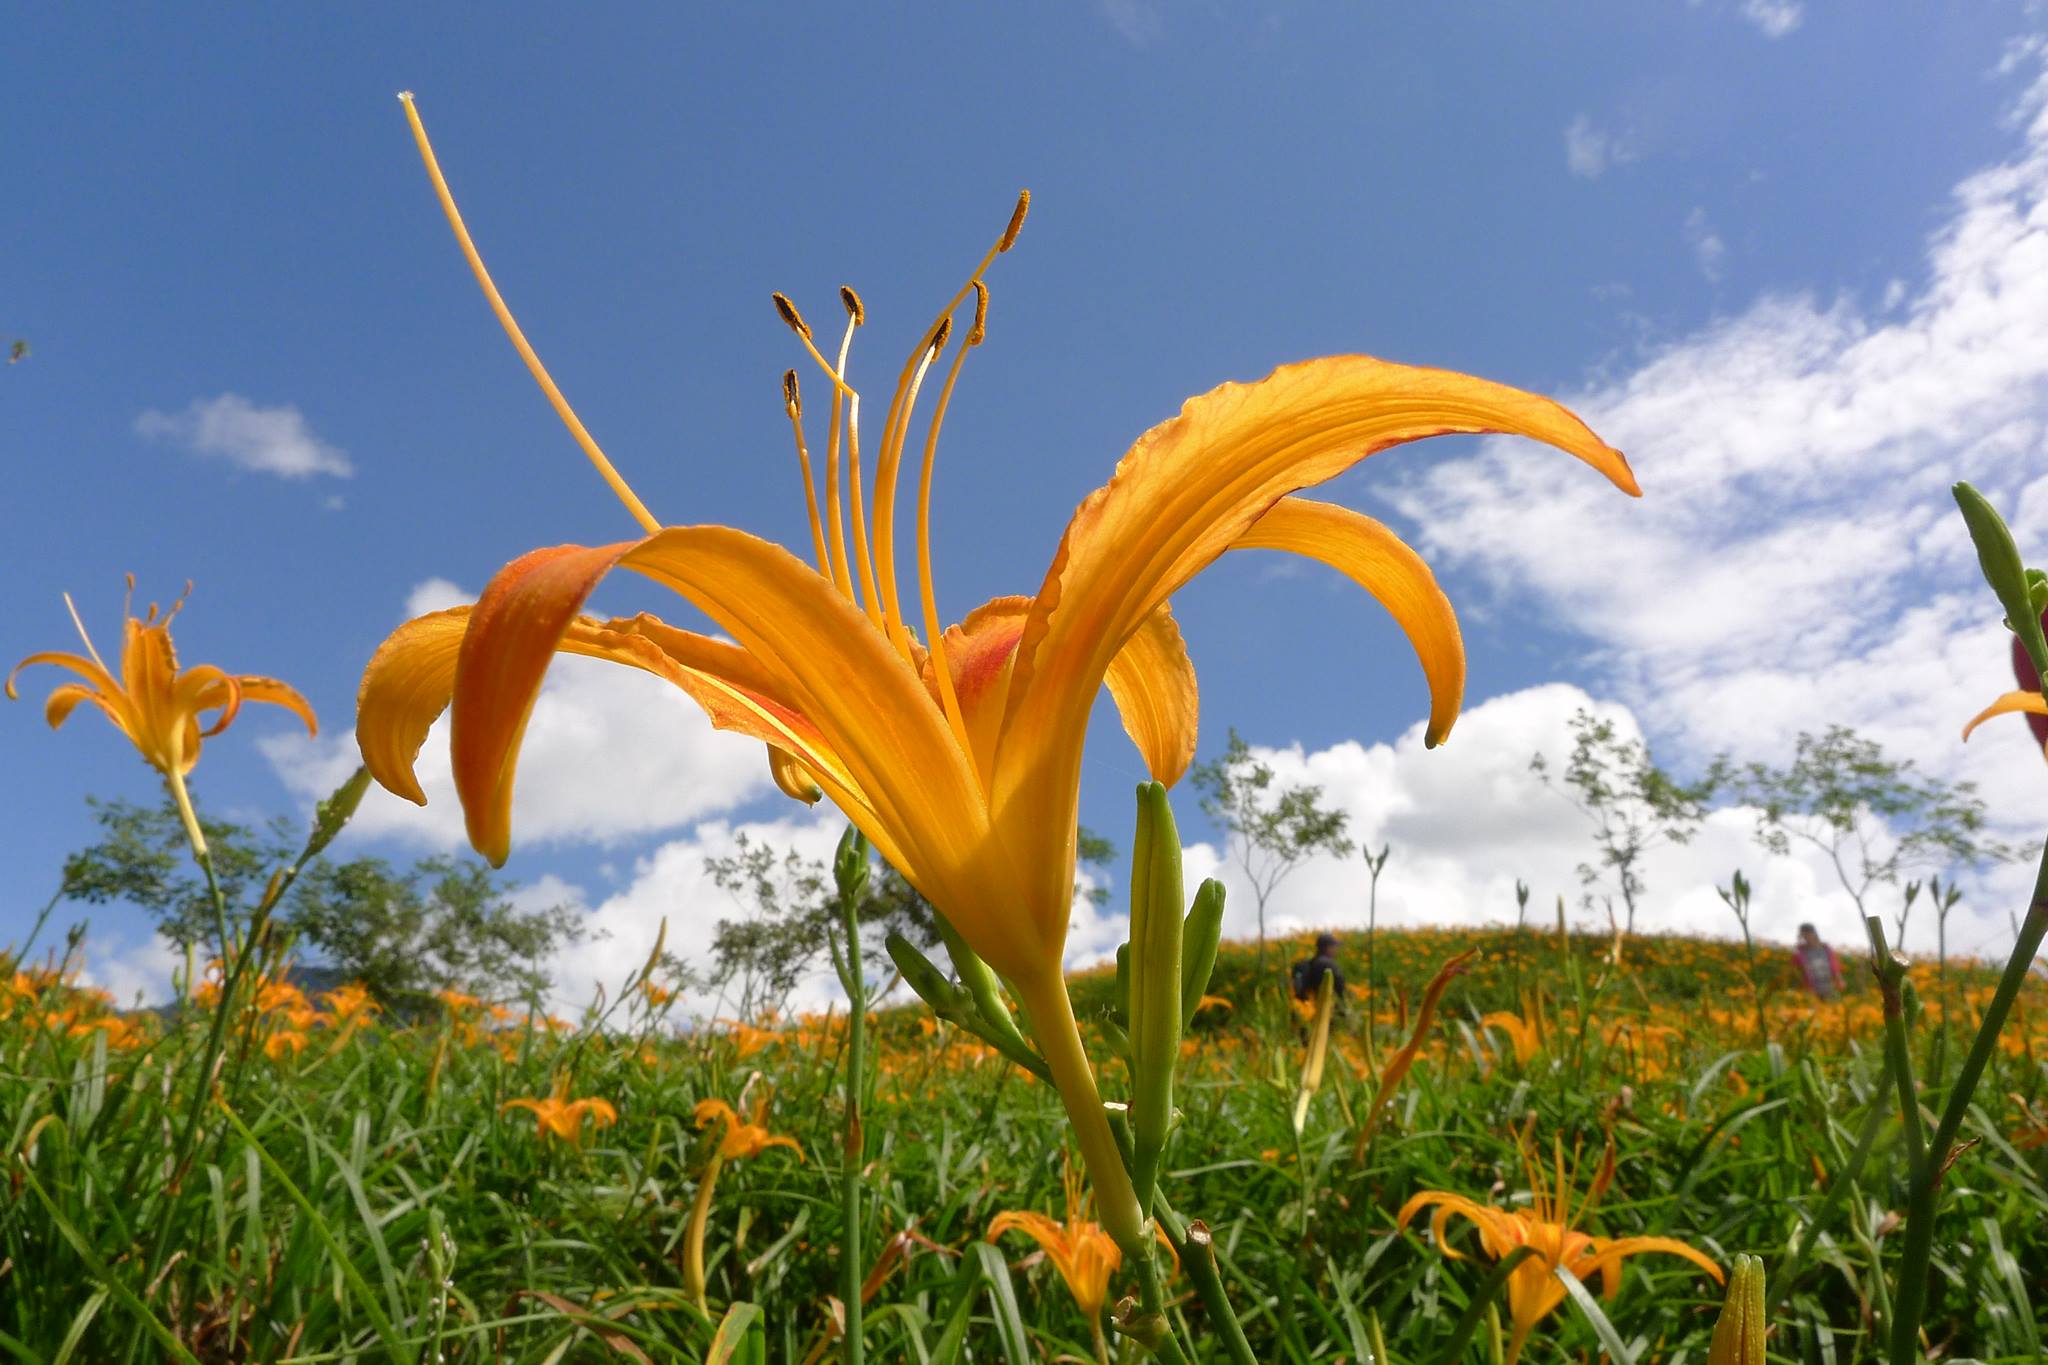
(519, 343)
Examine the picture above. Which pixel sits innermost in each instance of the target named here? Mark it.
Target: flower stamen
(896, 427)
(793, 404)
(935, 637)
(519, 343)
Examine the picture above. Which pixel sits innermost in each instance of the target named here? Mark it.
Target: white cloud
(610, 753)
(1140, 22)
(132, 971)
(1590, 150)
(1774, 18)
(1709, 252)
(275, 440)
(1796, 559)
(1467, 819)
(436, 594)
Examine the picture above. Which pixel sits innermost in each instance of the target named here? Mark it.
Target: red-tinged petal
(1377, 560)
(874, 712)
(1151, 680)
(1184, 494)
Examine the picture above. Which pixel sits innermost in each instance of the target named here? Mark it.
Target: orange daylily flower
(1550, 1225)
(558, 1116)
(1084, 1254)
(153, 702)
(284, 1040)
(748, 1137)
(956, 751)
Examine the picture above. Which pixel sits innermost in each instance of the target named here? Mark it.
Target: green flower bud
(1199, 935)
(1155, 971)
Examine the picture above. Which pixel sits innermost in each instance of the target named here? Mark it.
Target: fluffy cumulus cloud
(1797, 560)
(1466, 820)
(274, 440)
(134, 970)
(610, 754)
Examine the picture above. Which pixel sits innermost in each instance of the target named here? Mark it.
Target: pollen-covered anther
(851, 300)
(979, 330)
(792, 400)
(1016, 221)
(789, 315)
(945, 330)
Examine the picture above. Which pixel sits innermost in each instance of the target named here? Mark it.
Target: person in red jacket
(1818, 965)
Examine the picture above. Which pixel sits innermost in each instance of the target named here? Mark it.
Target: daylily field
(1515, 1144)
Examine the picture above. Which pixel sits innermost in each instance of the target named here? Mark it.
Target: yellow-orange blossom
(958, 752)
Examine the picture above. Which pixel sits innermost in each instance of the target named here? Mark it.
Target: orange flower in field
(285, 1040)
(1525, 1035)
(1084, 1254)
(350, 1004)
(1550, 1225)
(558, 1116)
(153, 702)
(748, 1137)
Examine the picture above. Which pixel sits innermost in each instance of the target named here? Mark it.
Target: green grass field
(360, 1191)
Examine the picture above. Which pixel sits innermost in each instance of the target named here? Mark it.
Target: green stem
(1197, 1251)
(1925, 1189)
(1059, 1038)
(1898, 1056)
(854, 1151)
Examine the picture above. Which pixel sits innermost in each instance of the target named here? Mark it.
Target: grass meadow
(360, 1187)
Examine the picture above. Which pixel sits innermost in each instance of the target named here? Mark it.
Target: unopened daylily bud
(983, 990)
(1156, 1017)
(336, 811)
(1739, 1331)
(924, 977)
(850, 864)
(2004, 571)
(1198, 938)
(1318, 1051)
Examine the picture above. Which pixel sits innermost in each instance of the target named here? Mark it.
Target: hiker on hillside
(1307, 975)
(1819, 968)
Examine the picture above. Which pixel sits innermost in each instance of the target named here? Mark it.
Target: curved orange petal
(1184, 494)
(1610, 1254)
(412, 677)
(792, 778)
(1377, 560)
(206, 688)
(270, 690)
(77, 663)
(2030, 702)
(1050, 1235)
(66, 697)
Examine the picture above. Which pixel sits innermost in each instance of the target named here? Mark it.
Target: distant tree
(17, 351)
(1633, 806)
(142, 858)
(790, 919)
(1272, 829)
(442, 922)
(1875, 818)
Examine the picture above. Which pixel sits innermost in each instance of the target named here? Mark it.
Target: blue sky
(1629, 205)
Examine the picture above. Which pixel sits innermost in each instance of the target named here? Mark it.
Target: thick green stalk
(1910, 1302)
(1059, 1038)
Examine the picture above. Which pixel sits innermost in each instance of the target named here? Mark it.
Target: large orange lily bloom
(956, 751)
(1550, 1226)
(557, 1116)
(153, 702)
